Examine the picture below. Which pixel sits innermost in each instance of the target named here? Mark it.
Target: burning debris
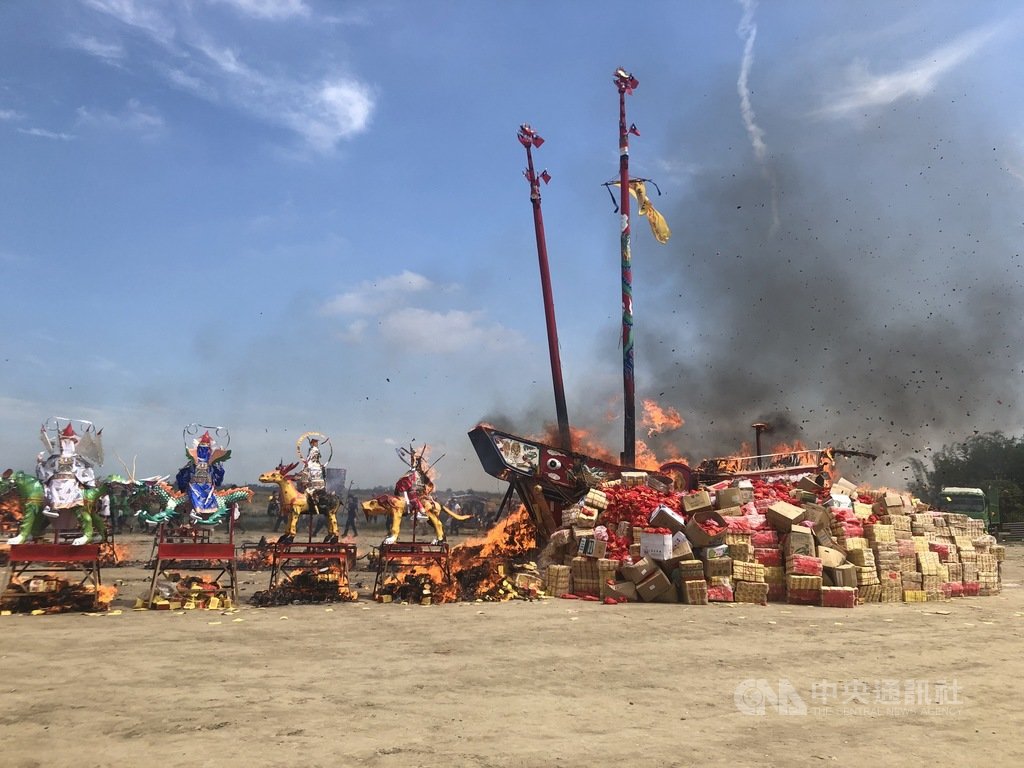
(256, 557)
(307, 586)
(113, 554)
(497, 566)
(48, 594)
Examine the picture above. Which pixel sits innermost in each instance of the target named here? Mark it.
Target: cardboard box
(630, 479)
(664, 517)
(697, 502)
(653, 586)
(657, 546)
(821, 523)
(747, 490)
(691, 570)
(711, 553)
(747, 572)
(831, 558)
(801, 497)
(729, 497)
(697, 535)
(695, 592)
(807, 483)
(782, 515)
(862, 511)
(720, 566)
(681, 552)
(588, 546)
(844, 575)
(626, 589)
(891, 500)
(842, 485)
(731, 512)
(640, 570)
(800, 541)
(751, 592)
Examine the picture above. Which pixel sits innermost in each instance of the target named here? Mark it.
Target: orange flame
(582, 442)
(658, 419)
(480, 567)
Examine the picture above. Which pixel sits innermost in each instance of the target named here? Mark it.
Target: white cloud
(323, 113)
(45, 134)
(193, 85)
(354, 332)
(332, 111)
(111, 53)
(134, 117)
(323, 110)
(270, 9)
(920, 77)
(428, 332)
(374, 297)
(10, 114)
(415, 329)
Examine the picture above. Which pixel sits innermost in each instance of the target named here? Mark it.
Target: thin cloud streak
(322, 111)
(866, 91)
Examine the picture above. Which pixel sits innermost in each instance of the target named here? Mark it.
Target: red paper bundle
(711, 528)
(803, 597)
(852, 529)
(776, 593)
(952, 589)
(803, 565)
(768, 556)
(765, 539)
(838, 597)
(635, 504)
(942, 549)
(972, 588)
(720, 593)
(737, 524)
(906, 548)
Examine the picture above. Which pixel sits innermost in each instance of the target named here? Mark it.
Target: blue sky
(291, 215)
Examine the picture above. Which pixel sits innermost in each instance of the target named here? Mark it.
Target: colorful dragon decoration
(174, 507)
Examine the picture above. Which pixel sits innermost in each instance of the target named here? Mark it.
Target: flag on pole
(659, 227)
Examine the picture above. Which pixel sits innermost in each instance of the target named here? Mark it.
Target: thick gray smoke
(882, 314)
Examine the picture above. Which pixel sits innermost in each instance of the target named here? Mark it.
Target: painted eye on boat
(554, 464)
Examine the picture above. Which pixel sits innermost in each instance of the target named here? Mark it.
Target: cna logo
(756, 697)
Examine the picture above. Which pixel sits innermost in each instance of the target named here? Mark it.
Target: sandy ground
(545, 683)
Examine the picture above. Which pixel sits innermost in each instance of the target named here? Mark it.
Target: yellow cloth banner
(659, 227)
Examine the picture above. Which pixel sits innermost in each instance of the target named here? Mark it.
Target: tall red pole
(626, 83)
(529, 139)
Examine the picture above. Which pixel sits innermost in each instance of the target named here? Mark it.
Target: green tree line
(991, 461)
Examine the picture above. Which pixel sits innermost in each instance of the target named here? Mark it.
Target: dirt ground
(545, 683)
